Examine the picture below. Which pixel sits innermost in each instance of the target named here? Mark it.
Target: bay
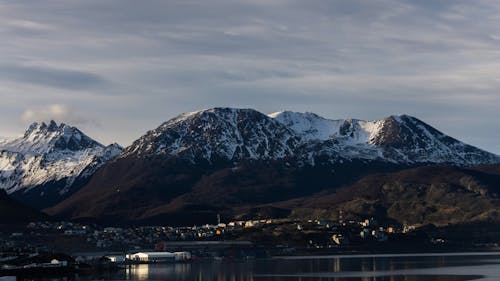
(386, 267)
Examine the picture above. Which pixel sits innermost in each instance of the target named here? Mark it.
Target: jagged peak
(42, 137)
(51, 152)
(51, 126)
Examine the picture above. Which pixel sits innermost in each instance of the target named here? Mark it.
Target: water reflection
(363, 268)
(338, 269)
(143, 272)
(137, 272)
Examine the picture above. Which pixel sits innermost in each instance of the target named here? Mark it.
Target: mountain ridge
(440, 195)
(219, 159)
(227, 134)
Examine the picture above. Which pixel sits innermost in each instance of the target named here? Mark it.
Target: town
(59, 245)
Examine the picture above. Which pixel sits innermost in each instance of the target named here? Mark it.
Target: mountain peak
(228, 157)
(218, 133)
(46, 154)
(41, 138)
(216, 111)
(42, 127)
(53, 126)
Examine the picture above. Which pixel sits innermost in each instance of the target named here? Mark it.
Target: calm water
(421, 267)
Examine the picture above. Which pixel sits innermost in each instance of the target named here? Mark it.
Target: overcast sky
(116, 69)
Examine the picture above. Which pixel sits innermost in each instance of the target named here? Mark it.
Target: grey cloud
(52, 77)
(57, 112)
(142, 62)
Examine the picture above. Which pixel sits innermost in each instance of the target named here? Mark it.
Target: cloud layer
(133, 64)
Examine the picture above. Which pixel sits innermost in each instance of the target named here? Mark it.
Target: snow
(308, 125)
(236, 134)
(54, 152)
(218, 133)
(33, 159)
(311, 126)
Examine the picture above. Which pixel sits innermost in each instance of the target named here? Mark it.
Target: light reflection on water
(364, 268)
(334, 268)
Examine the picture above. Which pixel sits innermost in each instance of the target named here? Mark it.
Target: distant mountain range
(242, 163)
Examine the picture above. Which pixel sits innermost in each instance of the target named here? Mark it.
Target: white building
(159, 256)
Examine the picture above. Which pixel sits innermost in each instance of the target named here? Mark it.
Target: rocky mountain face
(225, 160)
(220, 134)
(226, 134)
(396, 139)
(49, 162)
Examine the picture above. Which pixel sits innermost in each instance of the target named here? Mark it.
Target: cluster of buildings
(14, 262)
(138, 237)
(39, 236)
(320, 234)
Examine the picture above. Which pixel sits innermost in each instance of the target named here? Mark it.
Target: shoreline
(356, 255)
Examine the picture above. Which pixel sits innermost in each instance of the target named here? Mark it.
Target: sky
(119, 68)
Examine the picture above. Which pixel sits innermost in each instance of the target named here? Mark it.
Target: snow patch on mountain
(244, 134)
(50, 153)
(310, 126)
(396, 139)
(217, 134)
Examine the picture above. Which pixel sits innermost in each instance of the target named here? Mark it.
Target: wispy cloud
(139, 63)
(56, 112)
(51, 77)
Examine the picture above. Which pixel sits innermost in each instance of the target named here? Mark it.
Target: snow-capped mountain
(47, 161)
(245, 134)
(201, 163)
(218, 134)
(397, 139)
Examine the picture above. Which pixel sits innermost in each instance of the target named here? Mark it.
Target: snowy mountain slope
(396, 139)
(244, 134)
(310, 126)
(48, 154)
(218, 134)
(205, 162)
